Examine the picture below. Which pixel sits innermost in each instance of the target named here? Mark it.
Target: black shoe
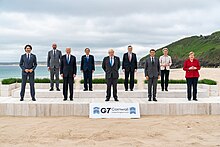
(21, 99)
(126, 89)
(58, 89)
(195, 99)
(162, 89)
(116, 99)
(71, 99)
(107, 99)
(166, 89)
(33, 99)
(90, 90)
(85, 89)
(149, 99)
(189, 99)
(131, 89)
(154, 99)
(51, 89)
(65, 99)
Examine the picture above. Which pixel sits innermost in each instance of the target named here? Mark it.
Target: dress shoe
(149, 99)
(155, 99)
(107, 99)
(166, 89)
(33, 99)
(126, 89)
(189, 99)
(65, 99)
(85, 89)
(71, 99)
(21, 99)
(131, 89)
(162, 89)
(58, 89)
(195, 99)
(90, 90)
(116, 99)
(51, 89)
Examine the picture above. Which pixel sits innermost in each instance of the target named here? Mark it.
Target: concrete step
(45, 93)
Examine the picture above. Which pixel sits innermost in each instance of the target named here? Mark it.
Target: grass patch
(103, 81)
(18, 80)
(203, 81)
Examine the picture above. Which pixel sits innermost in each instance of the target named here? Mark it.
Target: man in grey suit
(152, 74)
(111, 64)
(53, 64)
(28, 64)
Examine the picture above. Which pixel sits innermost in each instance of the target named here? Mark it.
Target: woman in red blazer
(192, 67)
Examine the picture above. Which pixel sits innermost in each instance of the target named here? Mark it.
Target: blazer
(111, 71)
(25, 64)
(127, 65)
(152, 69)
(165, 60)
(68, 70)
(54, 61)
(191, 73)
(87, 65)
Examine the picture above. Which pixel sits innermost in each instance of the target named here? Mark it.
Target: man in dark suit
(68, 72)
(111, 64)
(28, 64)
(87, 67)
(53, 64)
(129, 67)
(152, 74)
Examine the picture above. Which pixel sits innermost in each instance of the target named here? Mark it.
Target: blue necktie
(68, 59)
(87, 58)
(111, 61)
(28, 58)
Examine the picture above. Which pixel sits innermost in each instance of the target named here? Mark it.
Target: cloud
(101, 25)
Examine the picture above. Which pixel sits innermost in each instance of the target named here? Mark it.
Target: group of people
(65, 65)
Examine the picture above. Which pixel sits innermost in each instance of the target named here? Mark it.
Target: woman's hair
(190, 53)
(28, 45)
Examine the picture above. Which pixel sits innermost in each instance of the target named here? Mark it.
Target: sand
(176, 131)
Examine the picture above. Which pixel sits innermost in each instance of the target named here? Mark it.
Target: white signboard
(114, 110)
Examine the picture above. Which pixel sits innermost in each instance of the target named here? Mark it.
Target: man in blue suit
(87, 67)
(28, 64)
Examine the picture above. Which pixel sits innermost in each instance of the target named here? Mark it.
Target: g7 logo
(105, 110)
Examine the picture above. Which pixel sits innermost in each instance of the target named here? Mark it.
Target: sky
(101, 25)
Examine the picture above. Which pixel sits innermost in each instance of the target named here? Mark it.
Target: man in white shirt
(165, 63)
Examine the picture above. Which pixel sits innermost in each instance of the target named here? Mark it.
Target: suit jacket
(87, 65)
(127, 65)
(191, 73)
(111, 71)
(54, 61)
(68, 70)
(28, 64)
(152, 69)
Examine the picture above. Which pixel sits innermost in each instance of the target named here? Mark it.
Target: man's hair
(165, 49)
(87, 49)
(190, 53)
(28, 45)
(130, 46)
(152, 50)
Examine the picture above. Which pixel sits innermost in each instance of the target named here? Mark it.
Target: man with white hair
(111, 65)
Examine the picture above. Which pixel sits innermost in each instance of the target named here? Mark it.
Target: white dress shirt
(112, 60)
(165, 60)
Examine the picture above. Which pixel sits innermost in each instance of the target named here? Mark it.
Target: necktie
(130, 57)
(152, 60)
(28, 58)
(87, 58)
(54, 53)
(68, 59)
(111, 61)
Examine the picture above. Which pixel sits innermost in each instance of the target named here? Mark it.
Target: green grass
(206, 48)
(203, 81)
(103, 81)
(18, 80)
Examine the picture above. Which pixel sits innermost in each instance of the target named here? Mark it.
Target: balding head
(54, 46)
(111, 52)
(68, 50)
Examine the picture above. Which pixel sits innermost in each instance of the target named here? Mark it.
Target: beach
(189, 130)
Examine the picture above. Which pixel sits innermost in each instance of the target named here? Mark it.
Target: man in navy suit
(87, 67)
(68, 72)
(129, 67)
(28, 64)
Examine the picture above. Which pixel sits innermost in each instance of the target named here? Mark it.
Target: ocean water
(13, 71)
